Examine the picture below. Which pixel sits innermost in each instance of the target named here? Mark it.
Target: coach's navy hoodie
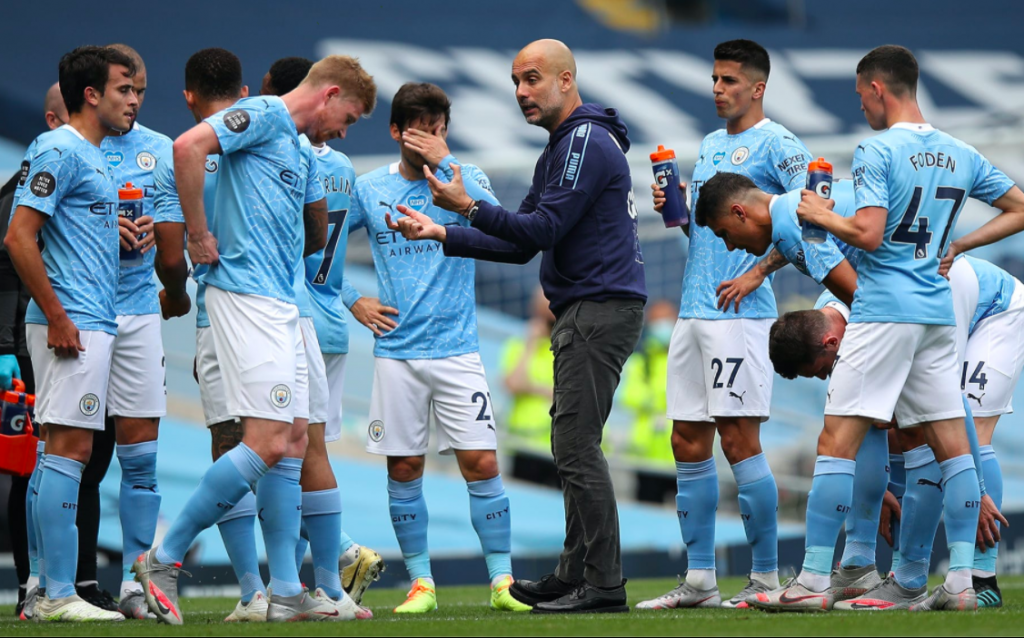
(580, 212)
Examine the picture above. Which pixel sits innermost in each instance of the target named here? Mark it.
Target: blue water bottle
(129, 206)
(819, 180)
(666, 175)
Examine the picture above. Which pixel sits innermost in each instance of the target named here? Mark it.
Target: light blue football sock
(40, 471)
(898, 486)
(57, 506)
(238, 530)
(870, 480)
(828, 504)
(30, 512)
(321, 516)
(224, 484)
(972, 441)
(492, 520)
(922, 509)
(986, 561)
(960, 509)
(346, 542)
(759, 508)
(301, 546)
(279, 502)
(409, 518)
(696, 507)
(139, 504)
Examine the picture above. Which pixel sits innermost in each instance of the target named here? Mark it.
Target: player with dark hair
(325, 338)
(250, 296)
(431, 351)
(911, 182)
(719, 379)
(284, 75)
(68, 194)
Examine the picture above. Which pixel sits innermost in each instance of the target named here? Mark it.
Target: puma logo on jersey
(386, 205)
(738, 396)
(491, 428)
(924, 481)
(830, 395)
(978, 399)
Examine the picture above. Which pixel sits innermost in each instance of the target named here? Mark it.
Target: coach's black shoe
(545, 590)
(988, 592)
(92, 594)
(587, 599)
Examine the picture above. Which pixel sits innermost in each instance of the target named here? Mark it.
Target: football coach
(580, 214)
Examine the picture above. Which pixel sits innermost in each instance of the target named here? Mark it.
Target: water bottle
(129, 206)
(666, 175)
(819, 180)
(18, 437)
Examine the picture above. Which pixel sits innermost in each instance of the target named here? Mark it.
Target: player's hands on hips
(415, 225)
(171, 307)
(431, 146)
(451, 196)
(947, 260)
(659, 196)
(988, 531)
(9, 371)
(891, 512)
(733, 291)
(202, 248)
(814, 208)
(370, 312)
(63, 338)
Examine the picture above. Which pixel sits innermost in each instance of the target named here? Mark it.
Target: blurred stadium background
(649, 59)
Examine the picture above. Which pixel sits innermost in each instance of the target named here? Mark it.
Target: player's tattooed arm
(735, 290)
(225, 437)
(314, 218)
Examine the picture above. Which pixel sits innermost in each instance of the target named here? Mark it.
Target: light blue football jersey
(261, 190)
(134, 157)
(813, 260)
(167, 208)
(922, 177)
(325, 269)
(776, 161)
(995, 289)
(435, 295)
(314, 193)
(69, 180)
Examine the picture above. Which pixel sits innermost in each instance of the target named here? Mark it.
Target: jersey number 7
(335, 223)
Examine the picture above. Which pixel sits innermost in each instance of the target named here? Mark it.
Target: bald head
(544, 73)
(54, 111)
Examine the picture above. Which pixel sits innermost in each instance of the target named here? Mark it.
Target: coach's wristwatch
(471, 212)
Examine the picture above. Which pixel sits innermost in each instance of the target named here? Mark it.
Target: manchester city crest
(146, 161)
(740, 155)
(376, 431)
(281, 395)
(89, 405)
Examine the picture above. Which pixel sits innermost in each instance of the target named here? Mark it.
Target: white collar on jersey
(913, 126)
(839, 307)
(761, 123)
(393, 168)
(75, 131)
(771, 204)
(321, 150)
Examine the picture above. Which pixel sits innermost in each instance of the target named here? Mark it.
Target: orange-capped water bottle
(18, 437)
(129, 206)
(819, 180)
(666, 175)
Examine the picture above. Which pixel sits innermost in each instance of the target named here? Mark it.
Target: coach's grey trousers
(591, 341)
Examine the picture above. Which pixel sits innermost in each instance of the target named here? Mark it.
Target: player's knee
(738, 445)
(479, 465)
(691, 447)
(406, 468)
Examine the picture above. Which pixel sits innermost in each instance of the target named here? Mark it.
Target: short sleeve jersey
(435, 295)
(325, 269)
(260, 193)
(167, 208)
(776, 161)
(134, 157)
(70, 181)
(922, 177)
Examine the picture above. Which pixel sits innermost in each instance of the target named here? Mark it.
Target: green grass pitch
(464, 611)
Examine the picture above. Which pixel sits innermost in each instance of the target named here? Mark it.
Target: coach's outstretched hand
(370, 312)
(988, 530)
(202, 248)
(415, 225)
(451, 196)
